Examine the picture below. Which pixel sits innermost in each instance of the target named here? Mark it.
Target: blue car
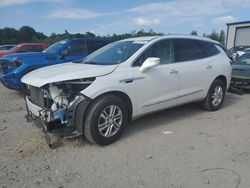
(14, 67)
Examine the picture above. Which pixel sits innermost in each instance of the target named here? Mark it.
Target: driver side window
(77, 49)
(163, 50)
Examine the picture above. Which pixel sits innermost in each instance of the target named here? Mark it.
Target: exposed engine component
(58, 98)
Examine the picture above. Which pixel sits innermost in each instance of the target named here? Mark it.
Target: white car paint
(160, 87)
(67, 71)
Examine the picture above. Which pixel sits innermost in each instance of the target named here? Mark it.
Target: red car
(25, 47)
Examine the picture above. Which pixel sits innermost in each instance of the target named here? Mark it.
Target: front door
(158, 87)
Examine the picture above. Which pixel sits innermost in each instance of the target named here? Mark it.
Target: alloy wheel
(110, 121)
(217, 96)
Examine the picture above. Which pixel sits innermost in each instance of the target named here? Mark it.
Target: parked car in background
(25, 47)
(98, 96)
(247, 50)
(6, 47)
(13, 67)
(240, 53)
(241, 72)
(237, 51)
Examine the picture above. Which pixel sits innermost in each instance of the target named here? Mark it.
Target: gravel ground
(184, 147)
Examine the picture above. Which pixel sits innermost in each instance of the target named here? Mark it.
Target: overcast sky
(118, 16)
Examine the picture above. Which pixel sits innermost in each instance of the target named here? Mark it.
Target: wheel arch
(223, 79)
(26, 70)
(121, 95)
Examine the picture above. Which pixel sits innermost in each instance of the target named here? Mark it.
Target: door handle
(209, 67)
(173, 72)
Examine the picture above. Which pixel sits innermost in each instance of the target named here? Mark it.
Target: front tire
(105, 120)
(215, 96)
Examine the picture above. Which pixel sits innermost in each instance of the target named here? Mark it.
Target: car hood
(27, 55)
(66, 71)
(241, 71)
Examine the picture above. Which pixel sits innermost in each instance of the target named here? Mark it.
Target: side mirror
(149, 63)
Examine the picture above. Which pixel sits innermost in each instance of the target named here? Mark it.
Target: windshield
(114, 53)
(244, 59)
(55, 47)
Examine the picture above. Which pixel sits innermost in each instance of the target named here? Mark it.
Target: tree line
(218, 36)
(28, 34)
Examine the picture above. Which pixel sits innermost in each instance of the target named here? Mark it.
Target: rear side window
(93, 46)
(187, 50)
(162, 50)
(209, 49)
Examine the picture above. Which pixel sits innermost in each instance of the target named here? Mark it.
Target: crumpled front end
(59, 106)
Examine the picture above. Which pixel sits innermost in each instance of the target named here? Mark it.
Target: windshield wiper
(78, 61)
(92, 63)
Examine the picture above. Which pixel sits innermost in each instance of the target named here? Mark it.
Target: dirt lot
(183, 147)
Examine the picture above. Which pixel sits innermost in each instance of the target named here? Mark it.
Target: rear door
(195, 67)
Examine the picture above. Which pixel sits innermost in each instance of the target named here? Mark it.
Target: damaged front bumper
(59, 107)
(65, 123)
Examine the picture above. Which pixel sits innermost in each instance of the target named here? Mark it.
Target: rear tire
(105, 120)
(215, 96)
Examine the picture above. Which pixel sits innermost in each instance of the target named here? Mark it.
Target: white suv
(99, 95)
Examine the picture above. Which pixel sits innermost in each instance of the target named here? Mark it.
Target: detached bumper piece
(239, 85)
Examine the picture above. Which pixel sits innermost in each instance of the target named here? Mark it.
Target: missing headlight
(71, 88)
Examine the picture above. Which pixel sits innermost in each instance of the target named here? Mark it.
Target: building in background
(238, 34)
